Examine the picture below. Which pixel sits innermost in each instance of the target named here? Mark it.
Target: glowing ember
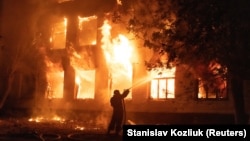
(43, 119)
(79, 128)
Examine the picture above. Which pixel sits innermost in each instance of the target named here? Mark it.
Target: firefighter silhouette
(118, 115)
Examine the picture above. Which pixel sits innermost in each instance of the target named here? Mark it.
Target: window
(162, 85)
(216, 89)
(216, 86)
(87, 30)
(58, 37)
(161, 88)
(55, 85)
(85, 84)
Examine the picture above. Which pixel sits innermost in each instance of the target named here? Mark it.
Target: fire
(87, 25)
(84, 19)
(79, 127)
(119, 2)
(59, 31)
(78, 81)
(118, 54)
(55, 79)
(43, 119)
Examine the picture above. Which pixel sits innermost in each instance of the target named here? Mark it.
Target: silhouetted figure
(117, 102)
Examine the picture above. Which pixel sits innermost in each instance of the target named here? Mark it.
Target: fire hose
(124, 113)
(124, 108)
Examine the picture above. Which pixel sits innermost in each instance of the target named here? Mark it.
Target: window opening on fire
(213, 90)
(162, 85)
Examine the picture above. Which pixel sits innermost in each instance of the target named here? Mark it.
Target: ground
(22, 128)
(17, 125)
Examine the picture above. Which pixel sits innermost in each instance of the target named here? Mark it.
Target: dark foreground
(24, 130)
(16, 128)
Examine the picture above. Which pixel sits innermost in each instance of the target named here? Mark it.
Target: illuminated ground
(19, 128)
(23, 130)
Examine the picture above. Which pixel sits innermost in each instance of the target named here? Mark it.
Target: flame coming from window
(118, 54)
(59, 31)
(87, 25)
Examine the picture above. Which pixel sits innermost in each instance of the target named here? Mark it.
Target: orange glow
(80, 61)
(119, 2)
(87, 30)
(79, 128)
(43, 119)
(118, 54)
(78, 81)
(85, 84)
(85, 78)
(65, 25)
(59, 31)
(55, 86)
(55, 78)
(163, 83)
(85, 19)
(216, 88)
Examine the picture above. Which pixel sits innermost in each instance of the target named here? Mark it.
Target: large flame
(118, 53)
(85, 84)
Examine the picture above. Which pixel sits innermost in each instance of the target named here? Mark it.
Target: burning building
(86, 57)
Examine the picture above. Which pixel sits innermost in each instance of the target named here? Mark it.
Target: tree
(21, 54)
(198, 33)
